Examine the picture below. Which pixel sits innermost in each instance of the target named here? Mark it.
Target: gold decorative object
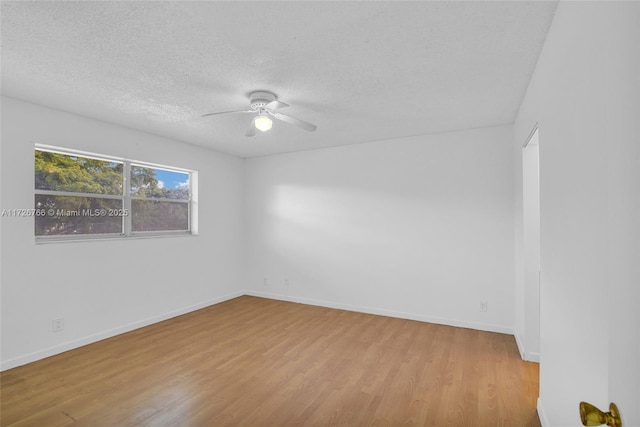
(592, 416)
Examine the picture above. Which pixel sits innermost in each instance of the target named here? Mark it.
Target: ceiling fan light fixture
(263, 123)
(263, 106)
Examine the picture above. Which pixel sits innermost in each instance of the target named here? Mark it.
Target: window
(159, 199)
(79, 195)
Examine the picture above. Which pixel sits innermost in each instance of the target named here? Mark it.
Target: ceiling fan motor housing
(259, 100)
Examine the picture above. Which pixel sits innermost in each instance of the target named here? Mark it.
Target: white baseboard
(520, 345)
(528, 356)
(61, 348)
(544, 422)
(383, 312)
(532, 357)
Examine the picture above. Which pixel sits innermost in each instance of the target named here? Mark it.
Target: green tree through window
(62, 172)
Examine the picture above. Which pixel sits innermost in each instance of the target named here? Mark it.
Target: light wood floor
(260, 362)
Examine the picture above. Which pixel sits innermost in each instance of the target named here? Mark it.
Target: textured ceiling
(361, 71)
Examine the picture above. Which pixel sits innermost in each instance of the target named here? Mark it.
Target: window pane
(69, 215)
(159, 183)
(152, 215)
(65, 172)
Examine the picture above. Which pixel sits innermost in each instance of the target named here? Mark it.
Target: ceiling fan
(264, 105)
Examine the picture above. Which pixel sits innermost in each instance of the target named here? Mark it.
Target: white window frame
(126, 198)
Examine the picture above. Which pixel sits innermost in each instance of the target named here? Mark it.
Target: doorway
(531, 245)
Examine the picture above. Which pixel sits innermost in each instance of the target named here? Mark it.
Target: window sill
(101, 238)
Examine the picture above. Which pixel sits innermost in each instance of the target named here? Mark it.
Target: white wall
(419, 227)
(101, 288)
(585, 96)
(622, 71)
(519, 329)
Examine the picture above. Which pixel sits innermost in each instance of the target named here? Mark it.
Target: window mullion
(76, 194)
(159, 199)
(126, 219)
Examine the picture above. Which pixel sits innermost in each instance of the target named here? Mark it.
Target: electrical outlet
(57, 325)
(286, 283)
(264, 282)
(484, 306)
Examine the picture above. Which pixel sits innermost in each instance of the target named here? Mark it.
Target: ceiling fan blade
(251, 131)
(274, 105)
(227, 112)
(296, 122)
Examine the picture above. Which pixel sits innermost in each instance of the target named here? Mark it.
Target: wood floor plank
(259, 362)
